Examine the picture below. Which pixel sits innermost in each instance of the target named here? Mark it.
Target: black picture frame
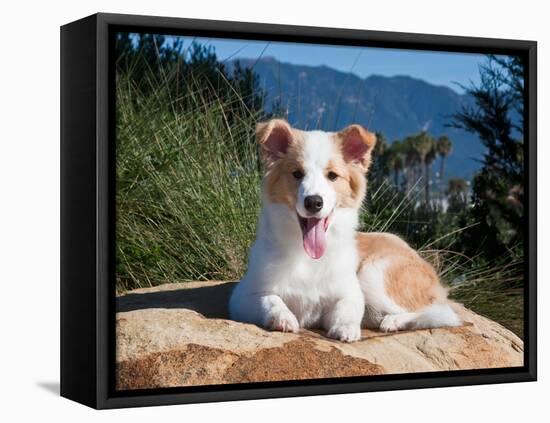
(88, 211)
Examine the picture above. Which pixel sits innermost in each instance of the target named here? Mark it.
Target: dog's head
(314, 173)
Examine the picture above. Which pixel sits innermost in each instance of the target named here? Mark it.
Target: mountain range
(324, 98)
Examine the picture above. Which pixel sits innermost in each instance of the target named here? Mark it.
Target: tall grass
(187, 185)
(493, 289)
(188, 198)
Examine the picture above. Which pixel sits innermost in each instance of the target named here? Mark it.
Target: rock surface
(179, 335)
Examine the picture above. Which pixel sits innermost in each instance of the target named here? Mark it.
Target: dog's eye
(332, 176)
(298, 174)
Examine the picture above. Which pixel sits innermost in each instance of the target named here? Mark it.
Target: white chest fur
(279, 266)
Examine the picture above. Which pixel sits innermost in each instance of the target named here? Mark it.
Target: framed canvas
(259, 211)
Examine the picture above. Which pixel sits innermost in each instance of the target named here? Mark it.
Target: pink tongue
(314, 237)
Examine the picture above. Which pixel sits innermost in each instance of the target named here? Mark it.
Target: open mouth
(314, 234)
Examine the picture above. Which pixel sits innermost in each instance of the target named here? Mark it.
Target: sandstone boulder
(180, 335)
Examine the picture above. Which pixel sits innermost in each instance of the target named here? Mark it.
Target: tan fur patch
(350, 185)
(410, 281)
(279, 183)
(358, 186)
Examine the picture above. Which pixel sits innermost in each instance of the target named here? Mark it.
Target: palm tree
(380, 158)
(428, 160)
(444, 147)
(411, 161)
(423, 143)
(394, 160)
(457, 185)
(457, 195)
(399, 160)
(381, 144)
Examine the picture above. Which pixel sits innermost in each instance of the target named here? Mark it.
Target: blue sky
(434, 67)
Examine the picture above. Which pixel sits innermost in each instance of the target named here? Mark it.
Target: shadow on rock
(210, 301)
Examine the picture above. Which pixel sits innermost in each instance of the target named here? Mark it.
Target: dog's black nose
(313, 203)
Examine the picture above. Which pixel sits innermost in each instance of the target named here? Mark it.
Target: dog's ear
(357, 144)
(274, 138)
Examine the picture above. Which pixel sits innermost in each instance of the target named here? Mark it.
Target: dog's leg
(343, 322)
(276, 315)
(268, 311)
(432, 316)
(395, 322)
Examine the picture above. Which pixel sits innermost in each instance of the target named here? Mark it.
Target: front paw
(283, 321)
(345, 332)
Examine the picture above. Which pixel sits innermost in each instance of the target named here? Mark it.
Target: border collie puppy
(308, 266)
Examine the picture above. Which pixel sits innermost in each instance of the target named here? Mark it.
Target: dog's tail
(436, 316)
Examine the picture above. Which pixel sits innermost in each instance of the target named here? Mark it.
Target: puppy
(308, 266)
